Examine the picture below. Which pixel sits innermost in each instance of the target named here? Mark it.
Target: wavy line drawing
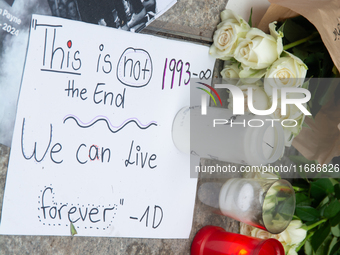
(112, 128)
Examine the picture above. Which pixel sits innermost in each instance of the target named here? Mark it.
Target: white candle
(246, 139)
(245, 197)
(237, 200)
(253, 202)
(181, 130)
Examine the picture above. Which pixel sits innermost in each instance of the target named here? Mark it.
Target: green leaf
(293, 31)
(73, 229)
(332, 209)
(302, 184)
(335, 249)
(314, 63)
(337, 190)
(324, 248)
(318, 61)
(307, 213)
(300, 53)
(250, 17)
(308, 248)
(331, 245)
(305, 85)
(320, 236)
(327, 65)
(281, 28)
(335, 220)
(323, 203)
(334, 181)
(302, 200)
(320, 189)
(336, 230)
(312, 51)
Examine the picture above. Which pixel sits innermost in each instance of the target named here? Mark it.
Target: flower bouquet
(292, 54)
(294, 48)
(319, 139)
(265, 61)
(259, 61)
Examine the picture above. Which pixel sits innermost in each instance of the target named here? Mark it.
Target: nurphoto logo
(239, 101)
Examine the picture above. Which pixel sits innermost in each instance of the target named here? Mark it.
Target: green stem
(309, 234)
(298, 42)
(314, 225)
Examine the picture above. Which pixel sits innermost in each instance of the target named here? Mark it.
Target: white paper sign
(92, 144)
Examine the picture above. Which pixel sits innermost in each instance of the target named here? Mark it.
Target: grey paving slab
(190, 18)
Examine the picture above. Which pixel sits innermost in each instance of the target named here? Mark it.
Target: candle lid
(278, 206)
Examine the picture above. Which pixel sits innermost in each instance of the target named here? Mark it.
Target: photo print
(129, 15)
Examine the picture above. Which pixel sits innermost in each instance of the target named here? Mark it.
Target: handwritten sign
(92, 144)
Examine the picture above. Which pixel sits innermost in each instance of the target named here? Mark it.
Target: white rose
(227, 34)
(290, 238)
(259, 233)
(249, 75)
(230, 71)
(260, 98)
(294, 234)
(290, 250)
(245, 229)
(287, 71)
(259, 50)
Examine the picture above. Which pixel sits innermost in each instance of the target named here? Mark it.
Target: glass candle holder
(211, 240)
(243, 139)
(262, 203)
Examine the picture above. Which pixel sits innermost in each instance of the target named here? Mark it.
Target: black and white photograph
(130, 15)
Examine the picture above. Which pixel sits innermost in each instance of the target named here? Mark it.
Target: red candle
(211, 240)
